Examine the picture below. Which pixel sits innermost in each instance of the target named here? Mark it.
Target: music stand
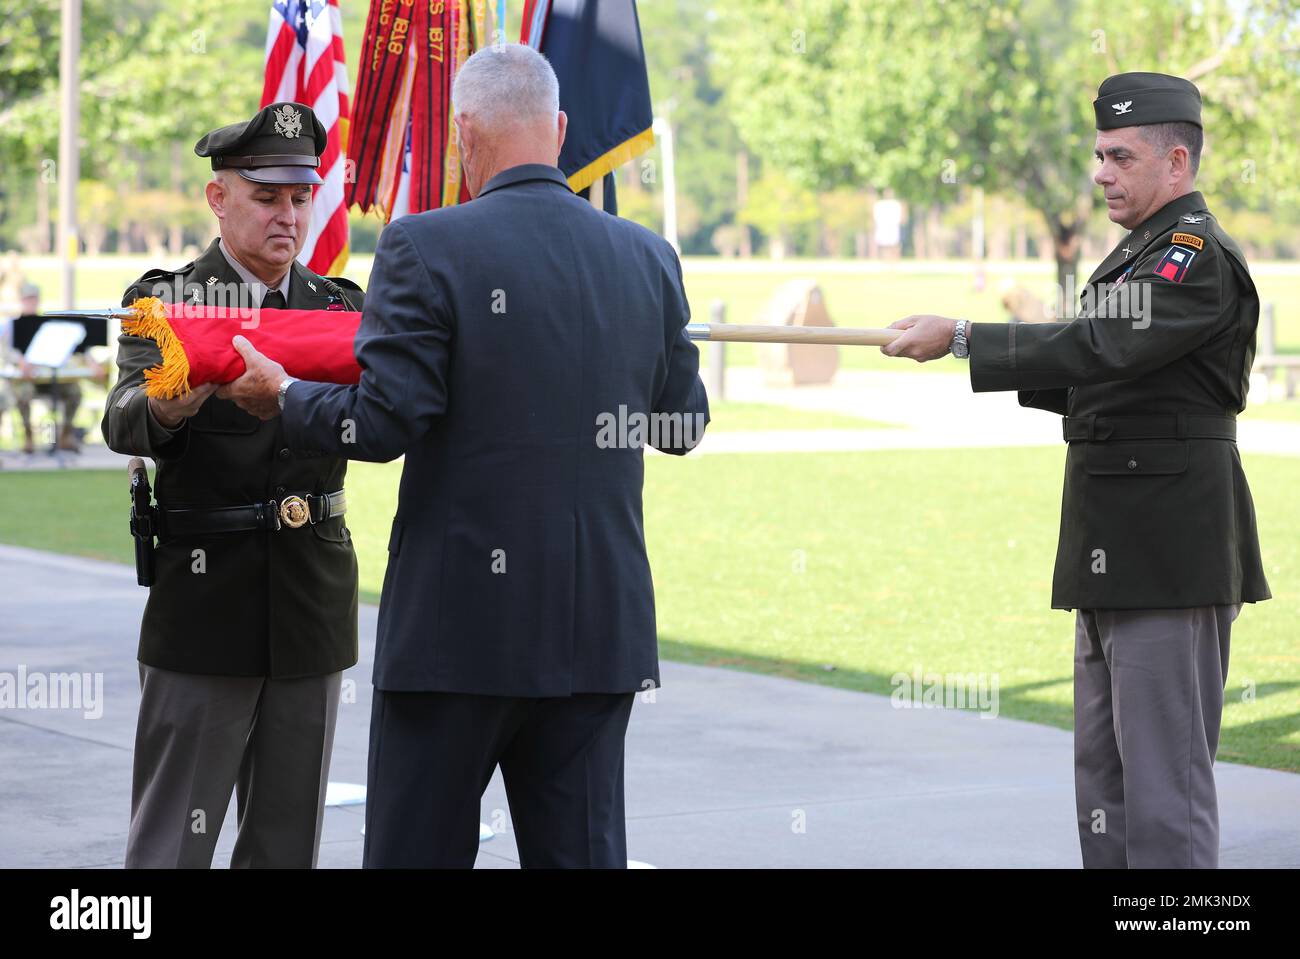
(52, 345)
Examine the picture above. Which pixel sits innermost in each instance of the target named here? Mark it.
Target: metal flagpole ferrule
(110, 314)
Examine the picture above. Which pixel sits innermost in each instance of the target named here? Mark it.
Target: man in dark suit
(1158, 547)
(501, 341)
(252, 617)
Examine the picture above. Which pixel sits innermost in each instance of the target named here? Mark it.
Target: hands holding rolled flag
(257, 391)
(204, 347)
(172, 412)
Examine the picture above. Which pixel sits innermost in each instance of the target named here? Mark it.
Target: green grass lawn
(728, 417)
(1285, 411)
(839, 568)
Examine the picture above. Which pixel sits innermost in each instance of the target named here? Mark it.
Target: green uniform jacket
(279, 604)
(1161, 522)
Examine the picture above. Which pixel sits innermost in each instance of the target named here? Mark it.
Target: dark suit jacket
(498, 337)
(279, 604)
(1164, 521)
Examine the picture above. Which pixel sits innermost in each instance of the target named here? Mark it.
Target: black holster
(144, 525)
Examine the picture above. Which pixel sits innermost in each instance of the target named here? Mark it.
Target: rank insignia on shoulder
(1174, 263)
(1188, 218)
(1189, 239)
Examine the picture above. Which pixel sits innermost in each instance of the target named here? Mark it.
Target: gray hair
(1165, 136)
(506, 83)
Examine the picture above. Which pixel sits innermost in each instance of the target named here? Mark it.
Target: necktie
(274, 300)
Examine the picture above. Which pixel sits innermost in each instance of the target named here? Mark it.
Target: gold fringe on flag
(171, 378)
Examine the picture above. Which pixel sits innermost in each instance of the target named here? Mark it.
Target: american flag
(304, 63)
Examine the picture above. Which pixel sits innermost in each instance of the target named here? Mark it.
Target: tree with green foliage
(687, 93)
(154, 78)
(929, 98)
(781, 209)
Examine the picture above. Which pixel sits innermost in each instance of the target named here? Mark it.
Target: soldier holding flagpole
(1158, 547)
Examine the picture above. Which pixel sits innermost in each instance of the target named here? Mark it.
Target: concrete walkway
(93, 456)
(723, 769)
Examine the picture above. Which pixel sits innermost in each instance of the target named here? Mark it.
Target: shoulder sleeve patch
(1189, 239)
(1174, 264)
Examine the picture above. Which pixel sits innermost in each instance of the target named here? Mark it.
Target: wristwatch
(284, 389)
(959, 347)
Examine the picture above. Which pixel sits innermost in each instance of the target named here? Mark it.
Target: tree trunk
(176, 233)
(42, 214)
(831, 242)
(996, 231)
(872, 252)
(742, 194)
(935, 234)
(94, 237)
(1065, 246)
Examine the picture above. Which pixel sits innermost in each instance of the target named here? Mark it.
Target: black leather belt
(1170, 426)
(292, 511)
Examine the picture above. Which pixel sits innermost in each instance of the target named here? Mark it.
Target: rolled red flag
(195, 342)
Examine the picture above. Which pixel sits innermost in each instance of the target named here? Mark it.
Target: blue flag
(595, 49)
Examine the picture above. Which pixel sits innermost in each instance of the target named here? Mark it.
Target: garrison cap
(281, 144)
(1139, 99)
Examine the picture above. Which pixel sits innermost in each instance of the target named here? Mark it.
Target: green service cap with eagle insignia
(281, 144)
(1139, 99)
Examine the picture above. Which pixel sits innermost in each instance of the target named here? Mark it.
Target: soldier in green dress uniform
(252, 616)
(1158, 546)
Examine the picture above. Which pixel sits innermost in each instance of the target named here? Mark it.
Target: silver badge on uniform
(1192, 219)
(288, 122)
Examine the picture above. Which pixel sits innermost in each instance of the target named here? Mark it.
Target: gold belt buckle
(294, 512)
